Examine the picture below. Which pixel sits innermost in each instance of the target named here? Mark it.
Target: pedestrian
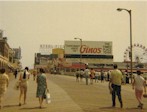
(124, 77)
(77, 75)
(34, 74)
(92, 75)
(115, 82)
(108, 75)
(81, 74)
(15, 73)
(139, 84)
(87, 73)
(127, 77)
(4, 82)
(102, 76)
(41, 86)
(24, 77)
(96, 76)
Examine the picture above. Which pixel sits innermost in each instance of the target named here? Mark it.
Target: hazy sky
(31, 23)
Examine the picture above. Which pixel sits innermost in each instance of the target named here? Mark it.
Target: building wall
(1, 48)
(1, 33)
(87, 61)
(17, 53)
(4, 48)
(59, 52)
(7, 55)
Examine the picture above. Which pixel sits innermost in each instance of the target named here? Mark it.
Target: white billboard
(88, 47)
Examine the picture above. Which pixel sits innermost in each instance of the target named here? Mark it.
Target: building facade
(7, 55)
(74, 56)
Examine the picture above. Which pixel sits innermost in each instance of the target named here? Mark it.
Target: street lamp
(80, 52)
(129, 11)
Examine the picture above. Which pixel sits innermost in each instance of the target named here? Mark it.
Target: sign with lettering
(47, 48)
(88, 47)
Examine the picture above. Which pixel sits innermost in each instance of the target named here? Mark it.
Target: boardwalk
(67, 95)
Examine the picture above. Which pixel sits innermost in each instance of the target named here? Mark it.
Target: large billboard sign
(88, 47)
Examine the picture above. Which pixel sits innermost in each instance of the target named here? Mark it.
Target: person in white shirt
(4, 82)
(86, 72)
(96, 76)
(139, 84)
(24, 77)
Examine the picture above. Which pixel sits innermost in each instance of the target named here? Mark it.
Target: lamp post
(129, 11)
(80, 51)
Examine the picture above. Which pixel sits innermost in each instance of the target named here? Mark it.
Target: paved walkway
(96, 97)
(60, 100)
(67, 95)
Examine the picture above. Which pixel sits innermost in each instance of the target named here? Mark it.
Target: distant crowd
(100, 76)
(116, 78)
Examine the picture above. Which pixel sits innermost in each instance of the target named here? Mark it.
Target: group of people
(92, 74)
(23, 79)
(116, 79)
(115, 82)
(79, 74)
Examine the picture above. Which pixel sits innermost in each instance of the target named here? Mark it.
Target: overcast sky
(31, 23)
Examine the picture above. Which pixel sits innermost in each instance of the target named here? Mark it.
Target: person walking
(34, 74)
(4, 82)
(108, 75)
(102, 76)
(15, 73)
(77, 75)
(96, 76)
(115, 82)
(81, 74)
(126, 77)
(24, 77)
(139, 84)
(41, 86)
(86, 73)
(92, 75)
